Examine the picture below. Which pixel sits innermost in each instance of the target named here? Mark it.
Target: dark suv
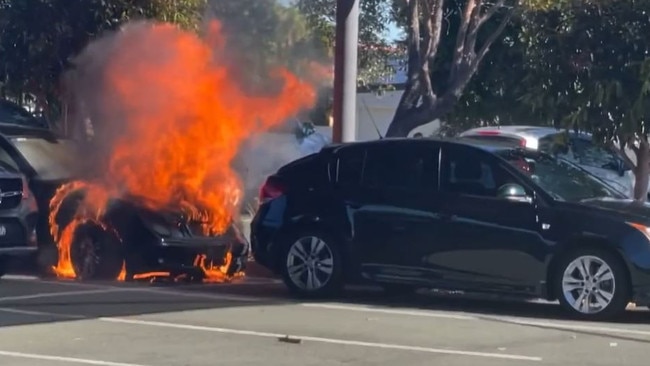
(454, 214)
(18, 217)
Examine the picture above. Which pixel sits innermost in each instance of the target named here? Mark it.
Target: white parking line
(41, 313)
(58, 294)
(203, 295)
(83, 361)
(361, 308)
(322, 340)
(575, 326)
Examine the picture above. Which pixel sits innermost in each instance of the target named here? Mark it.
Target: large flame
(181, 116)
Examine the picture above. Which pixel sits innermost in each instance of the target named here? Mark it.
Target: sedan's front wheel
(592, 284)
(312, 265)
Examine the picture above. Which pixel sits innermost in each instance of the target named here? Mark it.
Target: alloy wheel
(588, 284)
(310, 263)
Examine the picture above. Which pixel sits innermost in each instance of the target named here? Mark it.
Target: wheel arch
(306, 223)
(579, 242)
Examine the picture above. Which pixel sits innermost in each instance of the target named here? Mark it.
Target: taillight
(25, 189)
(271, 189)
(522, 142)
(489, 133)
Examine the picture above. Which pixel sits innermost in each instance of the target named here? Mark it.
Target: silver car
(580, 149)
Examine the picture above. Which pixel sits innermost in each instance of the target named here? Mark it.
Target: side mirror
(514, 192)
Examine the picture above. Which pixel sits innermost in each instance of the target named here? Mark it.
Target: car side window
(403, 167)
(589, 154)
(350, 165)
(469, 172)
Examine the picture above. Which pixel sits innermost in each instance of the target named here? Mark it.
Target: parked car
(152, 240)
(18, 217)
(459, 214)
(14, 114)
(580, 148)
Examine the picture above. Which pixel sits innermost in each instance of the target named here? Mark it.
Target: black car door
(486, 242)
(392, 211)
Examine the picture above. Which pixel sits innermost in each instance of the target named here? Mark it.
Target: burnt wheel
(96, 253)
(312, 265)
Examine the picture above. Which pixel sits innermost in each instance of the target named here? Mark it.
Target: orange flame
(182, 117)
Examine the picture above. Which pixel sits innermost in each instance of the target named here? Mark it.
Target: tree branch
(459, 50)
(491, 11)
(491, 38)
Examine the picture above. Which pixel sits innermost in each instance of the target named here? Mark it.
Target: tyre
(96, 253)
(592, 284)
(312, 265)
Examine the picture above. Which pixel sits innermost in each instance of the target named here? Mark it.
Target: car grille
(11, 192)
(12, 233)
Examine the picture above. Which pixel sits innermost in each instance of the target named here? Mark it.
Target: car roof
(487, 145)
(529, 132)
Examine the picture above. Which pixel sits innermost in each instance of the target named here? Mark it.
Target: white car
(580, 149)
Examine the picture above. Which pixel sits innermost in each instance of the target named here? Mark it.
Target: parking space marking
(371, 309)
(83, 361)
(566, 326)
(62, 293)
(42, 313)
(321, 339)
(197, 294)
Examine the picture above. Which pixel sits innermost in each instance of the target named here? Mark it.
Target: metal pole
(345, 70)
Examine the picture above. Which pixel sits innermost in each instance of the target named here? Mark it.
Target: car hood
(625, 209)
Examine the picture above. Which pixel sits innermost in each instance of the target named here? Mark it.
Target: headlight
(642, 228)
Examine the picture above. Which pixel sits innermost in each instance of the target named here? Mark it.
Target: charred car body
(130, 238)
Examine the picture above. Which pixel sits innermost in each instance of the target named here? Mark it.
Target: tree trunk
(642, 171)
(409, 119)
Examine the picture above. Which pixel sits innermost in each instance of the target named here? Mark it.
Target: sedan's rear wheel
(592, 284)
(312, 265)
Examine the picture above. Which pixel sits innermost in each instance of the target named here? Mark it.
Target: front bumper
(184, 255)
(18, 232)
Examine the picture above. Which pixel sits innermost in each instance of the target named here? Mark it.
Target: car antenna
(372, 119)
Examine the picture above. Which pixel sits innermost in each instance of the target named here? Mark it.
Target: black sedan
(454, 214)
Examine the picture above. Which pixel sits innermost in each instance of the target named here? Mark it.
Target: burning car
(99, 233)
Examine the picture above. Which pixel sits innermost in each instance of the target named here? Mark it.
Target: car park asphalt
(254, 322)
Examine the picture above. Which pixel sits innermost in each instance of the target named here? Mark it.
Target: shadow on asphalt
(18, 305)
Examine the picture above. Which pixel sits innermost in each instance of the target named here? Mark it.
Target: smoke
(171, 111)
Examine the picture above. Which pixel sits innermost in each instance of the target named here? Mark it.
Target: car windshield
(51, 159)
(560, 178)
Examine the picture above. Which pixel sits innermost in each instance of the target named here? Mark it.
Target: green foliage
(374, 49)
(588, 66)
(38, 37)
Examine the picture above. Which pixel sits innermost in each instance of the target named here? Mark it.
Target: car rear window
(309, 171)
